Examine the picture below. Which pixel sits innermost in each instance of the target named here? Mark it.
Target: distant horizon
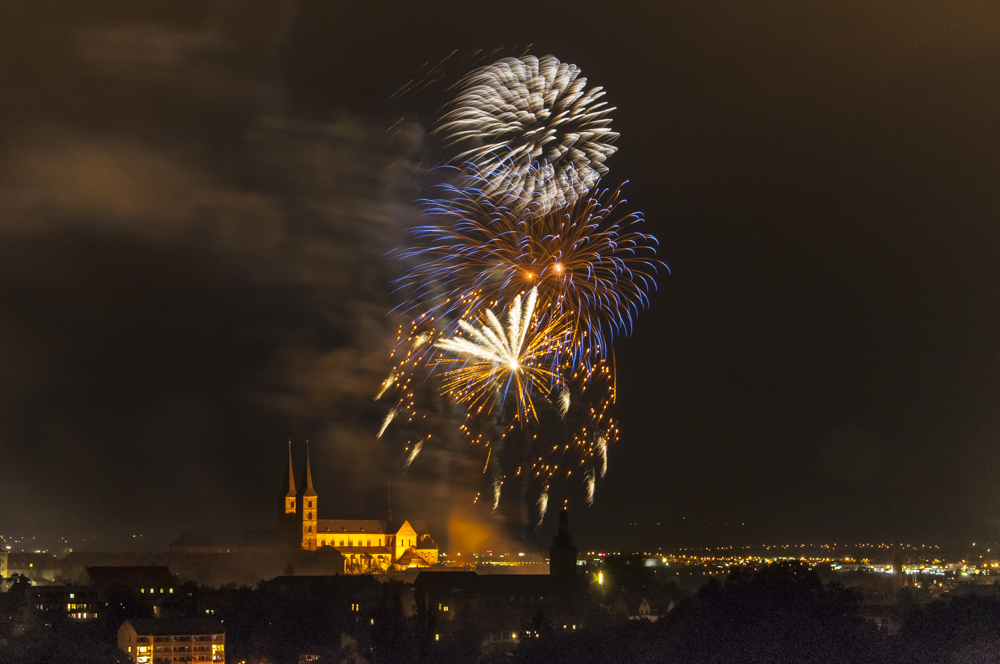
(142, 543)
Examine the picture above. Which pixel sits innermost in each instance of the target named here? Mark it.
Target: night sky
(196, 200)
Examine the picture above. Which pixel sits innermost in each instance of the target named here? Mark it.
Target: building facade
(91, 591)
(173, 640)
(305, 542)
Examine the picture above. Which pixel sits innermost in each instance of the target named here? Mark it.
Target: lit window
(72, 595)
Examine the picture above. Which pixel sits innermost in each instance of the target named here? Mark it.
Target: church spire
(288, 523)
(289, 488)
(307, 479)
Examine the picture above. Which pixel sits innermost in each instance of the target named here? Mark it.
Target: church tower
(562, 553)
(288, 524)
(307, 510)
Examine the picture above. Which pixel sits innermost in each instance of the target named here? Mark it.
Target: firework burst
(588, 262)
(535, 128)
(494, 361)
(525, 227)
(577, 440)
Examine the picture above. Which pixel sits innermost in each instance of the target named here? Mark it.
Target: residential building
(173, 640)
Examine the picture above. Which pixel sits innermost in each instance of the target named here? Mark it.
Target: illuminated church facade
(304, 541)
(367, 545)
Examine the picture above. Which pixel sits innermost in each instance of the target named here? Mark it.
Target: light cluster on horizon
(524, 228)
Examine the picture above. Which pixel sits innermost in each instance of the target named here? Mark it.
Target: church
(367, 546)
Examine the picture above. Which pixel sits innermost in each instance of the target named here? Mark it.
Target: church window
(309, 529)
(310, 516)
(369, 542)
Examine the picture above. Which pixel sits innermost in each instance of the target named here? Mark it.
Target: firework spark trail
(388, 418)
(497, 485)
(591, 483)
(535, 128)
(386, 384)
(564, 401)
(496, 361)
(413, 453)
(420, 340)
(543, 507)
(602, 449)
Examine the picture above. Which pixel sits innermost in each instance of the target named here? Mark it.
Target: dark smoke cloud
(190, 274)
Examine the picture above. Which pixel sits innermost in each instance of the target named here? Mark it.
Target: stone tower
(562, 553)
(288, 521)
(307, 509)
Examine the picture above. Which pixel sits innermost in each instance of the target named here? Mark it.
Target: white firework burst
(495, 360)
(591, 484)
(535, 129)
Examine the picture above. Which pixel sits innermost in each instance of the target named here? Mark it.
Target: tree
(781, 613)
